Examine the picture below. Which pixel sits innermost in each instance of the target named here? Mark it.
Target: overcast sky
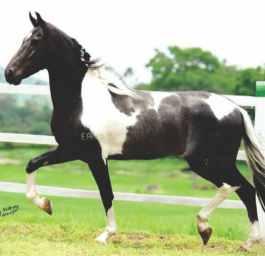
(125, 32)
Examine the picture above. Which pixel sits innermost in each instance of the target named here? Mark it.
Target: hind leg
(202, 167)
(223, 173)
(203, 226)
(247, 194)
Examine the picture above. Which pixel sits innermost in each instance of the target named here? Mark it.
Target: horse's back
(166, 125)
(162, 124)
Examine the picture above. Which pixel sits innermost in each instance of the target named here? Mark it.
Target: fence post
(260, 113)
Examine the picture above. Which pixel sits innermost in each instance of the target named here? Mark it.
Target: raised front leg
(54, 156)
(101, 174)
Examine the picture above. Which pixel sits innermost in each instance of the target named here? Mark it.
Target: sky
(124, 33)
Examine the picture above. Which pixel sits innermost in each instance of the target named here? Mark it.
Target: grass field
(144, 228)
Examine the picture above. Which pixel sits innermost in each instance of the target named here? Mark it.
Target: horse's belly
(152, 146)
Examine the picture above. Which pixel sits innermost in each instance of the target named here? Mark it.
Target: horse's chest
(65, 128)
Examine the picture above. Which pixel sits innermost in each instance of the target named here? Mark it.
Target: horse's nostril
(9, 73)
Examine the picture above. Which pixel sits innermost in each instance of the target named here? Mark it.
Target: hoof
(47, 206)
(205, 235)
(101, 240)
(246, 247)
(104, 236)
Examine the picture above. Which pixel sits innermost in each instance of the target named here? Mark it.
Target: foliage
(197, 69)
(24, 114)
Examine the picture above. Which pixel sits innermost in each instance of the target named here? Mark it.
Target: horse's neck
(65, 90)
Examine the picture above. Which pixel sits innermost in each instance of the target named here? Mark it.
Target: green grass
(149, 229)
(144, 228)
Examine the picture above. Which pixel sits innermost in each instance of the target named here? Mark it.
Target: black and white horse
(95, 120)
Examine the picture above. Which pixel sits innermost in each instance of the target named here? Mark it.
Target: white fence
(256, 103)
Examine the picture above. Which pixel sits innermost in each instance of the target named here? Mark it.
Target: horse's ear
(40, 20)
(33, 20)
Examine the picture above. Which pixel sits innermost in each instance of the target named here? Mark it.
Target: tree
(197, 69)
(246, 83)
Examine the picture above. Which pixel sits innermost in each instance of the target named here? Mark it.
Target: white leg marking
(32, 190)
(261, 217)
(110, 229)
(31, 185)
(255, 231)
(32, 194)
(222, 193)
(254, 236)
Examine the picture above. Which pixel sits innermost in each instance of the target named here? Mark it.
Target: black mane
(84, 56)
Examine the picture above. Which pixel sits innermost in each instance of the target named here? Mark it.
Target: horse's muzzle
(11, 77)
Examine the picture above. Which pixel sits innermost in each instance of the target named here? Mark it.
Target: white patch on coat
(101, 116)
(158, 97)
(220, 106)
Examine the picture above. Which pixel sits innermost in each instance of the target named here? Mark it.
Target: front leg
(101, 174)
(55, 156)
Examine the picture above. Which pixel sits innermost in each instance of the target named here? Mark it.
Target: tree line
(197, 69)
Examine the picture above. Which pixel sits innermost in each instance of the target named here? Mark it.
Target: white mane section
(108, 76)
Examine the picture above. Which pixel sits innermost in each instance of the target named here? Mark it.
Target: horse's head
(47, 47)
(32, 55)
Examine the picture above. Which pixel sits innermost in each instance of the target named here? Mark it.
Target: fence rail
(119, 196)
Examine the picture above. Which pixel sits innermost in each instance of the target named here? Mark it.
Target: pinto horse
(95, 120)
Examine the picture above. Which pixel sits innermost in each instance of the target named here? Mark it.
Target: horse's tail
(256, 161)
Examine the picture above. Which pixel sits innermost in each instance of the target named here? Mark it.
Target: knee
(31, 166)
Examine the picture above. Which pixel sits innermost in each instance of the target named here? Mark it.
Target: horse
(95, 120)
